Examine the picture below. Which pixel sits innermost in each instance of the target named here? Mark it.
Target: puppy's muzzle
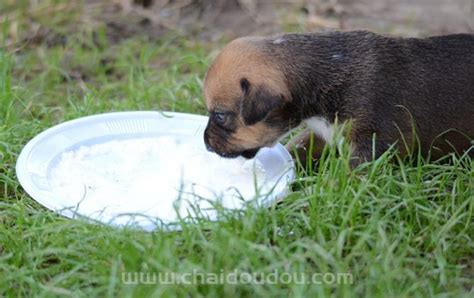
(249, 153)
(206, 142)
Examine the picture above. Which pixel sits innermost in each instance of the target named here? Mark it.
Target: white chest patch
(322, 128)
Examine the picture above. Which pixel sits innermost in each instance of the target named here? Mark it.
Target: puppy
(393, 90)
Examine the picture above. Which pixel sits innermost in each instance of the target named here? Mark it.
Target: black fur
(257, 102)
(383, 83)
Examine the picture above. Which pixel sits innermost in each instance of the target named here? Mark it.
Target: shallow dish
(43, 153)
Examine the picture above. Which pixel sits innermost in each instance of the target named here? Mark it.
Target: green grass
(399, 228)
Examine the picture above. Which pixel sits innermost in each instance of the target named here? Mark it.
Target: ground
(395, 227)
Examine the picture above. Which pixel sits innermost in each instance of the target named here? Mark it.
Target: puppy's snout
(206, 142)
(209, 148)
(249, 153)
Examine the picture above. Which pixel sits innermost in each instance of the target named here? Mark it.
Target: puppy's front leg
(360, 154)
(301, 144)
(366, 149)
(362, 148)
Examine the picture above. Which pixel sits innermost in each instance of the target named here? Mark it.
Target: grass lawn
(396, 228)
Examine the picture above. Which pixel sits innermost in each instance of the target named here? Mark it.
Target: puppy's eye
(219, 117)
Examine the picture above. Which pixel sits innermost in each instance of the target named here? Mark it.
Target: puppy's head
(246, 96)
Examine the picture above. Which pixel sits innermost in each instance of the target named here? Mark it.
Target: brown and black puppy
(258, 89)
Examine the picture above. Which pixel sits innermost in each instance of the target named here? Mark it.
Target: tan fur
(240, 59)
(253, 136)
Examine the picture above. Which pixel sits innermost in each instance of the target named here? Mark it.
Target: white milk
(146, 175)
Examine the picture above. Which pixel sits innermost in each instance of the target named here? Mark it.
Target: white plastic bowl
(42, 153)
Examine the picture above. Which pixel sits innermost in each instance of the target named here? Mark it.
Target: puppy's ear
(257, 102)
